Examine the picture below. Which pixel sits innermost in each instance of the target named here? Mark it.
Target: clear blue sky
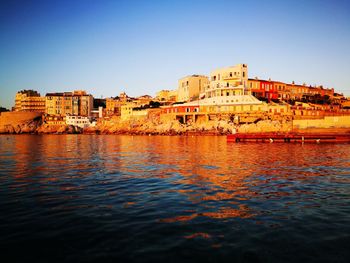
(140, 47)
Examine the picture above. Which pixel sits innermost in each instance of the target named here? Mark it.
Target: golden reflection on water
(208, 171)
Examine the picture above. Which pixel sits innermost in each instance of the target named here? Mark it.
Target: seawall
(327, 122)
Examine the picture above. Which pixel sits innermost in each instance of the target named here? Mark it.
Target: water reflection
(148, 184)
(217, 177)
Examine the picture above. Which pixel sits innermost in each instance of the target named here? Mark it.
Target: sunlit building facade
(29, 100)
(190, 87)
(167, 95)
(77, 103)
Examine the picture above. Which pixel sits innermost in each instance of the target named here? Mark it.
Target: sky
(141, 47)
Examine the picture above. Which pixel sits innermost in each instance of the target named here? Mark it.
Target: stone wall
(326, 122)
(15, 118)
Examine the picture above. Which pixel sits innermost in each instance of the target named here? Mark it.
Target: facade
(29, 100)
(113, 106)
(268, 90)
(321, 91)
(77, 103)
(227, 82)
(190, 87)
(297, 91)
(80, 121)
(126, 110)
(55, 120)
(255, 88)
(282, 92)
(143, 100)
(167, 95)
(181, 108)
(265, 89)
(227, 92)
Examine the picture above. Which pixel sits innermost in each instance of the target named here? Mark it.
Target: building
(76, 103)
(127, 110)
(283, 93)
(272, 90)
(190, 87)
(29, 100)
(227, 82)
(167, 95)
(226, 93)
(296, 91)
(263, 89)
(228, 86)
(255, 88)
(113, 106)
(80, 121)
(143, 100)
(55, 120)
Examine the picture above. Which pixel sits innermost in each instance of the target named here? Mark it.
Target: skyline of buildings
(226, 89)
(232, 80)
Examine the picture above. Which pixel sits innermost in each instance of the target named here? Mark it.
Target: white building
(228, 86)
(80, 121)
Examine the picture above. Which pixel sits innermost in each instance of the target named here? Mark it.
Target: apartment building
(269, 89)
(228, 82)
(29, 100)
(227, 91)
(263, 89)
(190, 87)
(77, 103)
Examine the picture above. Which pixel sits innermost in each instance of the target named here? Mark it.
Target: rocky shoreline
(146, 128)
(149, 127)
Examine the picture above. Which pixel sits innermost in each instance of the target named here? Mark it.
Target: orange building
(263, 89)
(29, 100)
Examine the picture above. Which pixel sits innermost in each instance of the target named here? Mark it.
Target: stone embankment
(176, 128)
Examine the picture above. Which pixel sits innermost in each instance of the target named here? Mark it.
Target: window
(230, 74)
(243, 74)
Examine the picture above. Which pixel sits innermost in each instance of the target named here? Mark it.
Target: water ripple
(144, 199)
